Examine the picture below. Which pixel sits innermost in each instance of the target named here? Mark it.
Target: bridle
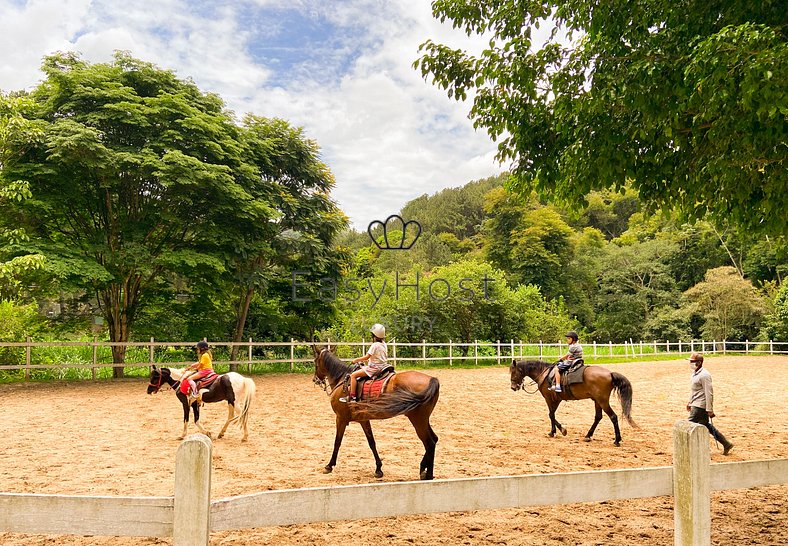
(157, 386)
(320, 381)
(536, 382)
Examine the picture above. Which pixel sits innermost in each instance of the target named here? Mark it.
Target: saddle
(207, 381)
(570, 376)
(369, 388)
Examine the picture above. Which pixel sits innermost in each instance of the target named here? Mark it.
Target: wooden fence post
(594, 348)
(292, 354)
(498, 351)
(95, 358)
(27, 358)
(691, 485)
(512, 347)
(249, 358)
(610, 344)
(476, 351)
(771, 346)
(191, 525)
(541, 349)
(150, 352)
(450, 355)
(394, 351)
(424, 352)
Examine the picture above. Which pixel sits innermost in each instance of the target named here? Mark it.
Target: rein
(537, 382)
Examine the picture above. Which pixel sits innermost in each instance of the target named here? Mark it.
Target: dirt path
(112, 439)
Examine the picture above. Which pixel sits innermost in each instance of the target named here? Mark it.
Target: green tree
(688, 103)
(730, 306)
(777, 322)
(132, 173)
(634, 281)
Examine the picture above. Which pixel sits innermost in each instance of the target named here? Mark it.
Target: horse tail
(249, 389)
(401, 401)
(624, 388)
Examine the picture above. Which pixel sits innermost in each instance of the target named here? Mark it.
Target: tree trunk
(119, 301)
(244, 303)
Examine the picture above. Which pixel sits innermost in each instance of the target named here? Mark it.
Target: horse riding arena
(110, 438)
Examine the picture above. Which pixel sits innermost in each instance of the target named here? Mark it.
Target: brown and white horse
(237, 390)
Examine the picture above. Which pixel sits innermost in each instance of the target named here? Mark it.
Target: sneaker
(727, 449)
(195, 398)
(346, 399)
(555, 388)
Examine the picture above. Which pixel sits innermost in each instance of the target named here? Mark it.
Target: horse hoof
(617, 444)
(587, 439)
(243, 439)
(425, 476)
(563, 431)
(327, 470)
(179, 438)
(209, 435)
(378, 473)
(551, 435)
(220, 437)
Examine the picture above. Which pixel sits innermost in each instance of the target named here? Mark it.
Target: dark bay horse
(412, 394)
(598, 383)
(237, 390)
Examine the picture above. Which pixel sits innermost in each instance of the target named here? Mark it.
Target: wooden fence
(259, 355)
(190, 516)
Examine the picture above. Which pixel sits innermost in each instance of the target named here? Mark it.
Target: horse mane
(527, 365)
(334, 365)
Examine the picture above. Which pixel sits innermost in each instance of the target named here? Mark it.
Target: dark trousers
(700, 416)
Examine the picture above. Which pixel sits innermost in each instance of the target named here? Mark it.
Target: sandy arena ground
(113, 439)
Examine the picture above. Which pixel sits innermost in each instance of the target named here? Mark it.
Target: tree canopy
(125, 178)
(687, 101)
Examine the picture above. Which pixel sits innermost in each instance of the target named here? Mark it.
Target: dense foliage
(687, 102)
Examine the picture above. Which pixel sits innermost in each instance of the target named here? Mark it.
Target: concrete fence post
(191, 524)
(691, 485)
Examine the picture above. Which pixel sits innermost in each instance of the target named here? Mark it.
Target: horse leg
(614, 420)
(196, 409)
(428, 437)
(597, 418)
(371, 441)
(185, 418)
(554, 424)
(341, 426)
(230, 415)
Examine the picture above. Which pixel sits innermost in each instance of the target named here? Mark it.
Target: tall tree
(132, 172)
(687, 100)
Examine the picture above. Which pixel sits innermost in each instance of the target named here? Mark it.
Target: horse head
(321, 372)
(516, 375)
(158, 377)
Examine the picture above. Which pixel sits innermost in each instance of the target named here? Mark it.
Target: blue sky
(341, 70)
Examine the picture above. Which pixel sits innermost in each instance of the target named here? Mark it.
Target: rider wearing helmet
(377, 358)
(565, 362)
(196, 371)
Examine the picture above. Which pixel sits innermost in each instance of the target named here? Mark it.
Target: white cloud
(387, 135)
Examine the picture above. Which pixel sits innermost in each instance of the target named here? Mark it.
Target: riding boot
(727, 445)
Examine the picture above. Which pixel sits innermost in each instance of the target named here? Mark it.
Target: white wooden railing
(190, 515)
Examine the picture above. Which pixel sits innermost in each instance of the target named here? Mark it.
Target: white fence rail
(190, 516)
(30, 355)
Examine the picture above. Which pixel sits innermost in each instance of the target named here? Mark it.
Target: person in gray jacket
(701, 402)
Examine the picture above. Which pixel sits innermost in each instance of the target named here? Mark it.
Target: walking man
(701, 402)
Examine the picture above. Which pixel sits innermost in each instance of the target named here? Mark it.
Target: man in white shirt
(701, 402)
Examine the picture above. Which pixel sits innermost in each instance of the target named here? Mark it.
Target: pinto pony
(237, 390)
(412, 394)
(598, 383)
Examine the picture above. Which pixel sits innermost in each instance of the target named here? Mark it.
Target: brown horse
(412, 394)
(598, 383)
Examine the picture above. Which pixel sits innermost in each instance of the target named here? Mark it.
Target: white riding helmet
(379, 330)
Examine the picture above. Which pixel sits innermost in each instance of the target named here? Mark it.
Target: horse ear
(316, 350)
(333, 349)
(153, 368)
